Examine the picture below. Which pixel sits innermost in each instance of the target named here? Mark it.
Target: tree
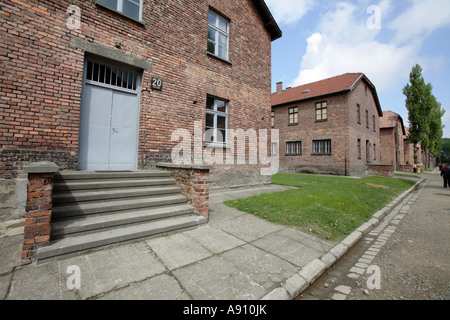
(425, 114)
(444, 157)
(435, 128)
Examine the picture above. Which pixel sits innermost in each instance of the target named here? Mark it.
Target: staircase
(96, 209)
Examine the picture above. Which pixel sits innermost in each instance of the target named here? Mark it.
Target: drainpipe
(345, 166)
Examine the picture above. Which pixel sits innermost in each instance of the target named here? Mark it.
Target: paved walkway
(236, 257)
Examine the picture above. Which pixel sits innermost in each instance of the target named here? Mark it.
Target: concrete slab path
(237, 256)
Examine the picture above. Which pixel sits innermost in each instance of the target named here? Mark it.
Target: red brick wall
(194, 184)
(363, 96)
(41, 76)
(38, 214)
(308, 130)
(393, 149)
(388, 145)
(342, 128)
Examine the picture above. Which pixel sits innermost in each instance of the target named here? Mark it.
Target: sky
(382, 39)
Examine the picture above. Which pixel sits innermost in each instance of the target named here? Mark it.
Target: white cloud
(384, 64)
(344, 44)
(289, 11)
(446, 122)
(421, 19)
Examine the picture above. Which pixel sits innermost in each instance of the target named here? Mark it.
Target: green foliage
(445, 151)
(425, 112)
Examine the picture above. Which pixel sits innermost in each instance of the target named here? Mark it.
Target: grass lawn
(331, 207)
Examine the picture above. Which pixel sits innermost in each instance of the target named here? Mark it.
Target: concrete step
(96, 175)
(127, 193)
(108, 206)
(80, 244)
(77, 185)
(91, 224)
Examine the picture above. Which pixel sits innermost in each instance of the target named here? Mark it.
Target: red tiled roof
(337, 84)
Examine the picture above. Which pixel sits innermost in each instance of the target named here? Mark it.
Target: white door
(109, 118)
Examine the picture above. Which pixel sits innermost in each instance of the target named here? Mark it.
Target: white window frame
(218, 31)
(215, 128)
(119, 8)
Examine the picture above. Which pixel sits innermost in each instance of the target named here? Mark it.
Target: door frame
(138, 92)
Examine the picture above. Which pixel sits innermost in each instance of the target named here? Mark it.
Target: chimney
(279, 87)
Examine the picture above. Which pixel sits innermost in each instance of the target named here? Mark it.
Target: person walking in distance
(445, 173)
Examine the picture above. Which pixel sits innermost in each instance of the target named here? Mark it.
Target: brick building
(330, 126)
(394, 147)
(409, 160)
(102, 84)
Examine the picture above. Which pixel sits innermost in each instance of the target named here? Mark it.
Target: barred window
(322, 147)
(112, 76)
(294, 148)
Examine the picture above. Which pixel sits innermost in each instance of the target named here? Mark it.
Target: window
(374, 124)
(218, 35)
(367, 119)
(322, 147)
(321, 111)
(358, 111)
(273, 119)
(108, 75)
(216, 120)
(367, 151)
(359, 148)
(294, 148)
(293, 115)
(374, 151)
(274, 149)
(130, 8)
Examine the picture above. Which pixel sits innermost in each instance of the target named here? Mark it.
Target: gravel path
(407, 257)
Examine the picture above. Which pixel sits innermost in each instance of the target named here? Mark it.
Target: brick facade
(42, 62)
(38, 208)
(194, 183)
(342, 127)
(393, 134)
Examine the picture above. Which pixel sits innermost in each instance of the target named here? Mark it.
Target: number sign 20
(156, 83)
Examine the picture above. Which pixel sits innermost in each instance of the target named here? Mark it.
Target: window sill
(293, 155)
(292, 124)
(215, 145)
(321, 154)
(321, 121)
(142, 23)
(218, 58)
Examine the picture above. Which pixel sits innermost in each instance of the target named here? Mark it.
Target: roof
(390, 119)
(334, 85)
(269, 22)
